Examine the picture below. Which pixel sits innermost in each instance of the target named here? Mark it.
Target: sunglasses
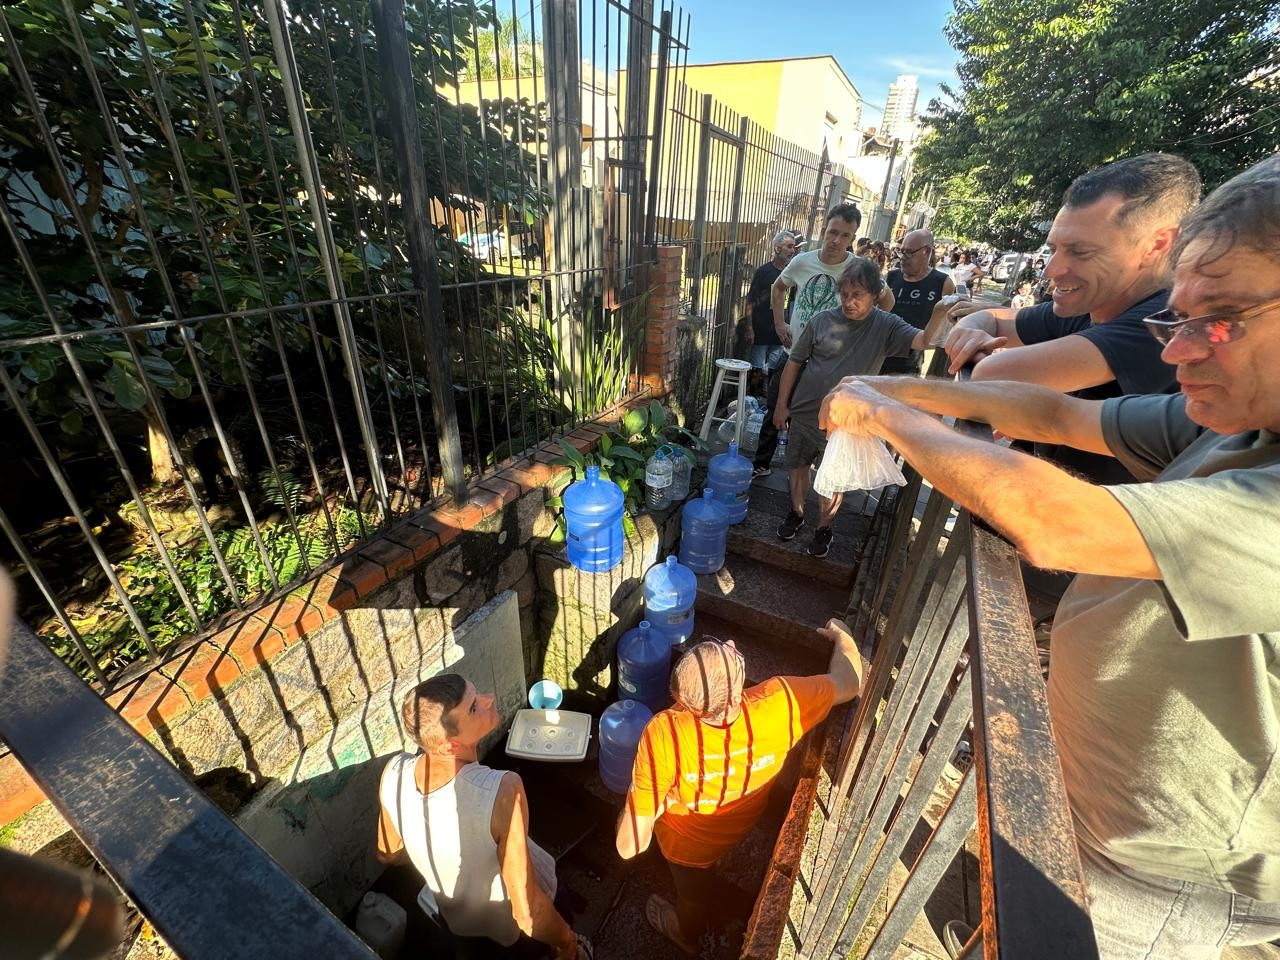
(1216, 328)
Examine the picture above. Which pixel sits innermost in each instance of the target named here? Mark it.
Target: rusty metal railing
(940, 598)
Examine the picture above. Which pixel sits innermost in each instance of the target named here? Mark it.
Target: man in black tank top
(917, 288)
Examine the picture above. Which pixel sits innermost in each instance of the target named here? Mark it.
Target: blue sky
(874, 42)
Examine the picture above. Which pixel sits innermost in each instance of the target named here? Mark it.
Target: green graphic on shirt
(818, 294)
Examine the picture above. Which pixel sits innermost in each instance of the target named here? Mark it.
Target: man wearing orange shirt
(704, 767)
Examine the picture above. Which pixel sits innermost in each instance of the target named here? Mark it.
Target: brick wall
(658, 367)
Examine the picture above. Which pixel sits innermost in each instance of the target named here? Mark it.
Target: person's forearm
(1025, 411)
(545, 923)
(846, 668)
(778, 302)
(1035, 504)
(790, 372)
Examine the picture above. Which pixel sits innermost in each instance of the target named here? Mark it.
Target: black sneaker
(761, 472)
(788, 527)
(821, 544)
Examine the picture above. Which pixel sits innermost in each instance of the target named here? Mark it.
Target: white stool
(737, 370)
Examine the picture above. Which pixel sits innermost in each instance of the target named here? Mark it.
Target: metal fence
(274, 276)
(727, 188)
(954, 658)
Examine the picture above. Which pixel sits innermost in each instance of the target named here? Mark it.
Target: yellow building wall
(748, 89)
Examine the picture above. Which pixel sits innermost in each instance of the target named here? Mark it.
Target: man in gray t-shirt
(1165, 687)
(833, 344)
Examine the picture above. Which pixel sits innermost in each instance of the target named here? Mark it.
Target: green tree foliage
(1049, 90)
(194, 199)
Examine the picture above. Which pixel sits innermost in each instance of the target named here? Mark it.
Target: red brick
(148, 701)
(258, 642)
(391, 556)
(331, 595)
(581, 441)
(489, 501)
(507, 489)
(466, 517)
(521, 475)
(292, 615)
(421, 543)
(431, 524)
(208, 667)
(18, 792)
(362, 576)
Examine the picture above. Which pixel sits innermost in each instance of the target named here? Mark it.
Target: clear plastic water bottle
(962, 291)
(681, 475)
(751, 435)
(658, 474)
(780, 454)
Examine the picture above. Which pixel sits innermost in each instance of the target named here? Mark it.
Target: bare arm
(977, 335)
(790, 373)
(1025, 411)
(532, 909)
(390, 846)
(635, 831)
(778, 300)
(1054, 519)
(846, 667)
(886, 300)
(1069, 363)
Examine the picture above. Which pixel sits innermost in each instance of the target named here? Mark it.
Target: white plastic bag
(855, 463)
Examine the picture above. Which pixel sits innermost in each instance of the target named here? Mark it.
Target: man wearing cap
(704, 767)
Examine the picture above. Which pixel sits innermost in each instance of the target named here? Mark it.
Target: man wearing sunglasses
(918, 288)
(704, 768)
(1165, 687)
(1109, 262)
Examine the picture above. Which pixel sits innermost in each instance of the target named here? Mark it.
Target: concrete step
(757, 536)
(779, 605)
(763, 656)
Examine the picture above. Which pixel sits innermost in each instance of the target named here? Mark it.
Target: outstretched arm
(532, 909)
(846, 668)
(1055, 520)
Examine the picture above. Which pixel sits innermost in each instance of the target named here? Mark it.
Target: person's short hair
(708, 680)
(847, 212)
(780, 237)
(1150, 185)
(862, 273)
(427, 707)
(1243, 211)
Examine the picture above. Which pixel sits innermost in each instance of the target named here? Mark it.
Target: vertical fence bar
(278, 22)
(702, 188)
(393, 53)
(658, 126)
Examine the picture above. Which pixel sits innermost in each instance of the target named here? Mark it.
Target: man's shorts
(805, 445)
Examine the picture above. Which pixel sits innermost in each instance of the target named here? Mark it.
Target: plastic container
(644, 664)
(704, 528)
(658, 474)
(681, 475)
(729, 476)
(620, 727)
(780, 454)
(381, 922)
(751, 436)
(593, 521)
(545, 695)
(670, 590)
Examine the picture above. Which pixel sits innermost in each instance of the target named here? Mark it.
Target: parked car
(1003, 268)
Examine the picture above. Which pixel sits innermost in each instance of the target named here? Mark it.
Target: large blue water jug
(729, 475)
(620, 727)
(704, 528)
(593, 521)
(644, 665)
(669, 592)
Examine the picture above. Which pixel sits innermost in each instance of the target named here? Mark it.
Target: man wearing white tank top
(466, 826)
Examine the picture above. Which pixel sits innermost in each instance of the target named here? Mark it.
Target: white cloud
(921, 68)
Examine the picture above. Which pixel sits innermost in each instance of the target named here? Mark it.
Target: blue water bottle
(704, 529)
(593, 522)
(670, 590)
(621, 725)
(644, 666)
(729, 475)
